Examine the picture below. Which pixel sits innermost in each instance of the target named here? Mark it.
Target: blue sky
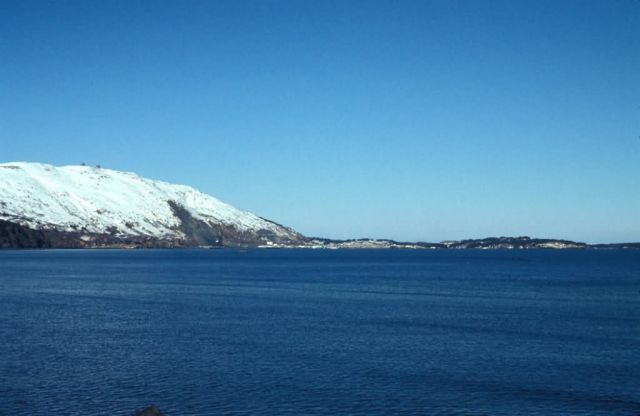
(412, 120)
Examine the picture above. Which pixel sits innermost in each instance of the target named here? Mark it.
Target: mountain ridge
(79, 206)
(86, 206)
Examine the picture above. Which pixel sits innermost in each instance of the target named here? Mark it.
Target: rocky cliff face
(43, 206)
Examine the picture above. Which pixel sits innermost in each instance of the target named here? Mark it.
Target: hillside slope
(84, 206)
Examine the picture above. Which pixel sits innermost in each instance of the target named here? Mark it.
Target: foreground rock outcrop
(149, 411)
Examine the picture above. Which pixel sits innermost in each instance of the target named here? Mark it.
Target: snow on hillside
(98, 200)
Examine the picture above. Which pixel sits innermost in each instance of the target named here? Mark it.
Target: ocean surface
(303, 332)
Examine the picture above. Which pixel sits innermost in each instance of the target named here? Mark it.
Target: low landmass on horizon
(42, 206)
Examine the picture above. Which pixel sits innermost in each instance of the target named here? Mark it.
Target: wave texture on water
(289, 332)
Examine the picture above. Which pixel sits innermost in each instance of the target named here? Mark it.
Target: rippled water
(207, 332)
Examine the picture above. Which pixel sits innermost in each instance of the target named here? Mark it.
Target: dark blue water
(279, 332)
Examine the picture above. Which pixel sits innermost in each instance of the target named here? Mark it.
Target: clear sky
(412, 120)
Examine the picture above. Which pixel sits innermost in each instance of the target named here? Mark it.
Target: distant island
(509, 243)
(43, 206)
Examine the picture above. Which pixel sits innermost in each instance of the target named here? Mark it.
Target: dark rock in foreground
(149, 411)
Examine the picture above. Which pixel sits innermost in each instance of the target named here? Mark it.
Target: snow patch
(97, 200)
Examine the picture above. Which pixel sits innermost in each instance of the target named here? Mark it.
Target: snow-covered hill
(100, 206)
